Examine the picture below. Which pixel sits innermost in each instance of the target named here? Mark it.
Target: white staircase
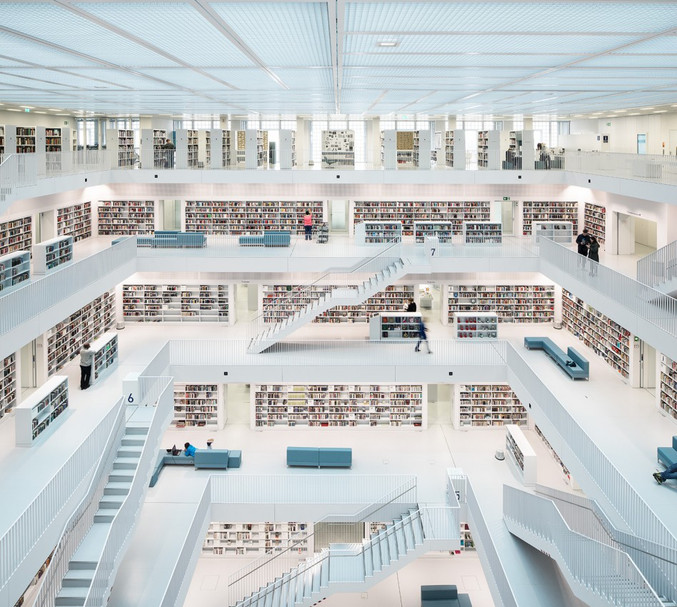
(352, 567)
(348, 296)
(82, 566)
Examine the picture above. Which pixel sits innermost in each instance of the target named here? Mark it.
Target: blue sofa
(320, 457)
(220, 459)
(668, 455)
(574, 365)
(173, 239)
(269, 238)
(443, 596)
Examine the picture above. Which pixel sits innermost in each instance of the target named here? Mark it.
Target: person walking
(308, 224)
(593, 255)
(86, 360)
(583, 241)
(669, 473)
(422, 336)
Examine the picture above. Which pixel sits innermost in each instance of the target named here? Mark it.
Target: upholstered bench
(320, 457)
(668, 455)
(211, 458)
(573, 364)
(250, 241)
(443, 596)
(220, 459)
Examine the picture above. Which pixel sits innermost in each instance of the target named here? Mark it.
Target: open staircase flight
(348, 296)
(349, 567)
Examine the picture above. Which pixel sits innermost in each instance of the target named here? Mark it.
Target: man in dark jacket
(583, 242)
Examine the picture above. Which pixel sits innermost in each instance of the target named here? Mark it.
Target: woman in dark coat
(593, 255)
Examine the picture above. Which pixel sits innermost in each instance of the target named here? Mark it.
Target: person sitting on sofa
(189, 450)
(669, 473)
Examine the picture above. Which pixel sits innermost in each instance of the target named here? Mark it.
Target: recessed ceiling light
(660, 111)
(387, 43)
(30, 107)
(12, 109)
(618, 111)
(53, 109)
(635, 114)
(646, 108)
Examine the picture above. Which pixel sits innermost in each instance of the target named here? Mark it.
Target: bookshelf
(75, 221)
(489, 150)
(558, 231)
(8, 384)
(287, 149)
(521, 151)
(667, 396)
(16, 235)
(482, 232)
(126, 217)
(422, 148)
(389, 149)
(521, 454)
(256, 148)
(153, 154)
(240, 142)
(175, 303)
(187, 148)
(378, 232)
(120, 145)
(35, 414)
(338, 149)
(487, 405)
(236, 217)
(565, 470)
(2, 140)
(105, 350)
(249, 539)
(479, 325)
(14, 269)
(339, 405)
(512, 303)
(323, 233)
(548, 211)
(20, 139)
(52, 253)
(204, 149)
(199, 406)
(387, 326)
(394, 298)
(454, 149)
(595, 221)
(442, 230)
(607, 338)
(65, 339)
(409, 212)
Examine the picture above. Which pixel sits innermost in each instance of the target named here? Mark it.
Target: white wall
(33, 119)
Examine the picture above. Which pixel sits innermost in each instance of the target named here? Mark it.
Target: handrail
(82, 518)
(658, 267)
(241, 577)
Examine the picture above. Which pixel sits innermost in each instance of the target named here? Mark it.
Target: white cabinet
(199, 405)
(40, 409)
(559, 231)
(389, 326)
(51, 254)
(521, 454)
(378, 232)
(482, 232)
(14, 269)
(480, 325)
(105, 351)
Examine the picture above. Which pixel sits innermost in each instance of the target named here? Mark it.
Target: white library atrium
(338, 303)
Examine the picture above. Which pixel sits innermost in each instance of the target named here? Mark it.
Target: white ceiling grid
(211, 56)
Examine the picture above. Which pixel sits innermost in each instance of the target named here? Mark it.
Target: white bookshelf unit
(479, 325)
(521, 151)
(105, 350)
(176, 303)
(126, 217)
(248, 539)
(521, 454)
(389, 149)
(281, 301)
(595, 221)
(199, 406)
(667, 395)
(558, 231)
(256, 149)
(75, 220)
(220, 141)
(2, 140)
(442, 230)
(120, 146)
(543, 210)
(65, 339)
(16, 235)
(487, 405)
(454, 149)
(556, 457)
(204, 149)
(339, 405)
(378, 232)
(482, 232)
(187, 148)
(512, 303)
(35, 414)
(153, 154)
(287, 149)
(408, 212)
(422, 143)
(338, 149)
(52, 253)
(14, 269)
(387, 326)
(8, 384)
(489, 150)
(20, 139)
(607, 338)
(237, 217)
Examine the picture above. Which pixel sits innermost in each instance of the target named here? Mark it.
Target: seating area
(269, 238)
(668, 455)
(573, 364)
(443, 596)
(319, 457)
(173, 239)
(218, 459)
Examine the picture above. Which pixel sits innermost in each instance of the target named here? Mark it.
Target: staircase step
(367, 557)
(376, 563)
(399, 538)
(417, 526)
(125, 463)
(111, 502)
(78, 565)
(78, 578)
(132, 442)
(121, 476)
(99, 517)
(136, 430)
(71, 596)
(128, 451)
(115, 488)
(409, 540)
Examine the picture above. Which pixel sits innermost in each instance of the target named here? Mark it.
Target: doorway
(29, 367)
(170, 211)
(647, 365)
(46, 227)
(338, 215)
(641, 143)
(634, 235)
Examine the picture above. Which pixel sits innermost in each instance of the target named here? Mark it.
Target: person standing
(308, 224)
(412, 306)
(86, 360)
(583, 241)
(169, 148)
(422, 336)
(593, 255)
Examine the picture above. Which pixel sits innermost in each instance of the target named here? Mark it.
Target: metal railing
(82, 518)
(658, 267)
(259, 572)
(123, 524)
(600, 568)
(22, 536)
(645, 167)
